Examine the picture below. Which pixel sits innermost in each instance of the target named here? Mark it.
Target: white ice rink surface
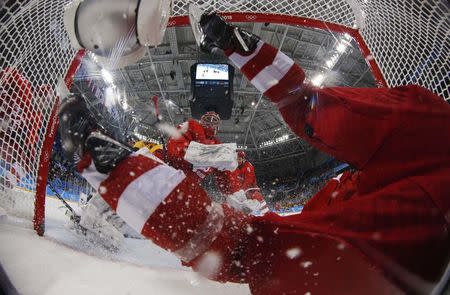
(64, 262)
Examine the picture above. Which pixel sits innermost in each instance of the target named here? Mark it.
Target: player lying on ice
(381, 230)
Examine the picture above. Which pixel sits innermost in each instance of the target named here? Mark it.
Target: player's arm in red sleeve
(249, 179)
(176, 147)
(176, 214)
(350, 124)
(227, 181)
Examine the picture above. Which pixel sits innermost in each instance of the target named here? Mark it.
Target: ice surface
(63, 262)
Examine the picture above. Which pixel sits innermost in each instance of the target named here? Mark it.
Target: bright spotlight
(317, 80)
(329, 63)
(107, 77)
(341, 47)
(110, 97)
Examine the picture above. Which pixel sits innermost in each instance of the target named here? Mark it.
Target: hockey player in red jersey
(204, 132)
(383, 230)
(191, 130)
(247, 180)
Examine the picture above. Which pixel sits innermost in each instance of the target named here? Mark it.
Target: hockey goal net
(403, 42)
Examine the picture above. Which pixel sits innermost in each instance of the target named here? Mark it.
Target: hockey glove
(219, 34)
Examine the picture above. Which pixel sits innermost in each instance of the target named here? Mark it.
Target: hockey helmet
(241, 154)
(116, 31)
(210, 121)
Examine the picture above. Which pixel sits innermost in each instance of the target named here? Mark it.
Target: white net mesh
(339, 11)
(35, 53)
(408, 39)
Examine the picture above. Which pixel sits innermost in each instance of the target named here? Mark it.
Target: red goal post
(45, 156)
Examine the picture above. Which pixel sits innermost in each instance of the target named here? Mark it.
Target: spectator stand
(289, 198)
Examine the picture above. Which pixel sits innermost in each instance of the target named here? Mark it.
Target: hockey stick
(75, 216)
(62, 199)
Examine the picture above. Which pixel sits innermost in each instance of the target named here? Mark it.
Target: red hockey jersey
(246, 175)
(247, 179)
(192, 130)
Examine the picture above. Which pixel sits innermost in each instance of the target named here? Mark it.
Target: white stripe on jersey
(93, 176)
(144, 194)
(240, 60)
(271, 75)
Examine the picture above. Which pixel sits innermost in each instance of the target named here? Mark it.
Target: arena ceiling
(256, 127)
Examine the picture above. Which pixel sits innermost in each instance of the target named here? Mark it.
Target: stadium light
(124, 103)
(107, 76)
(110, 97)
(329, 63)
(317, 80)
(342, 46)
(280, 139)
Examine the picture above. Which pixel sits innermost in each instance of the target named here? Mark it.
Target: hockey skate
(97, 216)
(212, 32)
(94, 218)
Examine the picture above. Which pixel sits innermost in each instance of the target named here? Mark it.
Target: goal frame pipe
(46, 151)
(298, 21)
(175, 21)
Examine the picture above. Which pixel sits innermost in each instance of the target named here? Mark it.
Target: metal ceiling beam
(172, 36)
(349, 77)
(168, 58)
(296, 37)
(159, 85)
(297, 42)
(325, 40)
(361, 77)
(255, 144)
(275, 130)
